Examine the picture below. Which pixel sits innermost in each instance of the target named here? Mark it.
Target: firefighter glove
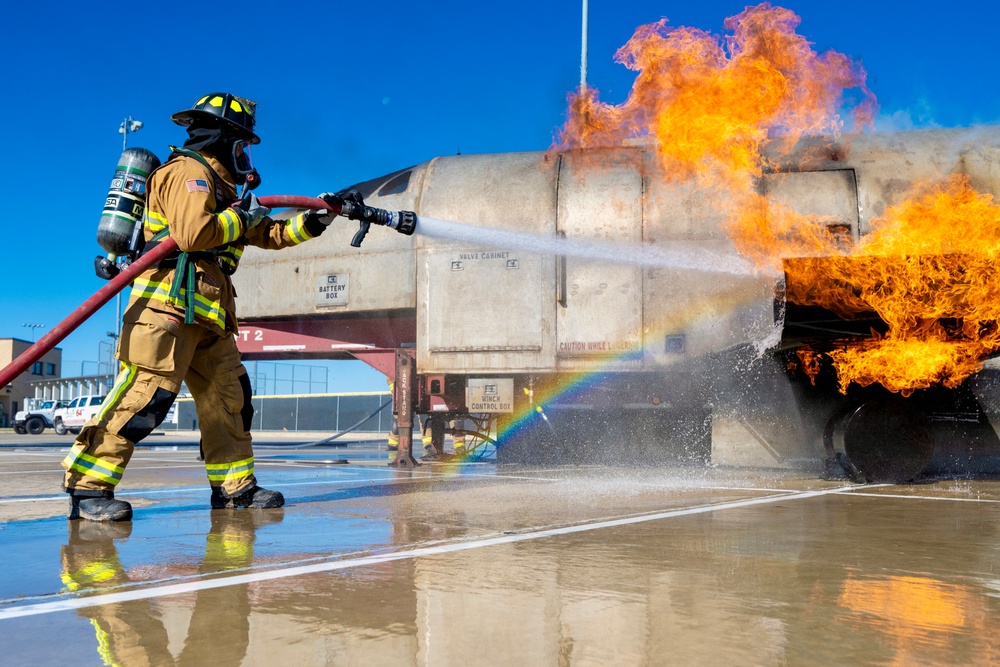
(339, 198)
(250, 210)
(346, 201)
(323, 216)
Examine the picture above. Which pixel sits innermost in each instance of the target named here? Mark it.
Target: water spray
(682, 255)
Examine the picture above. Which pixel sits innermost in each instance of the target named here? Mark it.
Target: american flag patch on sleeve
(197, 185)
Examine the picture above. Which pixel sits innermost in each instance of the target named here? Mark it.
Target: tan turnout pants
(157, 352)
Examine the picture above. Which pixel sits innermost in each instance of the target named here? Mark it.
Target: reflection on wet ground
(477, 564)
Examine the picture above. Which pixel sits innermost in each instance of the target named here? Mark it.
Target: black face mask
(220, 144)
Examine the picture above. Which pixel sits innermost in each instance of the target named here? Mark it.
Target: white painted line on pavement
(323, 482)
(906, 497)
(437, 550)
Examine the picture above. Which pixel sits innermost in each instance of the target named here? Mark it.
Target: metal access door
(832, 195)
(599, 311)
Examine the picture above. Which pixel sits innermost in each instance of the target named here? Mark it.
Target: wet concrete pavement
(482, 565)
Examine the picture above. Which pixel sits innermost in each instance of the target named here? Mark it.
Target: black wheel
(74, 431)
(19, 430)
(889, 440)
(59, 427)
(35, 425)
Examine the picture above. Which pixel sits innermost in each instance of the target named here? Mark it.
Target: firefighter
(180, 322)
(129, 633)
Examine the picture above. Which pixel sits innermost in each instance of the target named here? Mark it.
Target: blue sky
(349, 91)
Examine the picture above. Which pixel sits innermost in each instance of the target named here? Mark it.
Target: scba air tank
(126, 201)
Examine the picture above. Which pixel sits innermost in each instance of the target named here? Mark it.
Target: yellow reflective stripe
(296, 228)
(126, 378)
(231, 257)
(92, 573)
(68, 582)
(92, 466)
(155, 222)
(228, 550)
(231, 226)
(220, 472)
(104, 645)
(205, 308)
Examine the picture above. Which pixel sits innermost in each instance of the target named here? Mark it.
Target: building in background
(12, 396)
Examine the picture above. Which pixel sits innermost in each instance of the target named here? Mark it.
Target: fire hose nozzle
(404, 222)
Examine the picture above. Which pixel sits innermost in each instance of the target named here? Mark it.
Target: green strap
(185, 275)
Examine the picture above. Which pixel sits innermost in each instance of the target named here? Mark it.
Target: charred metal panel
(599, 320)
(483, 306)
(830, 195)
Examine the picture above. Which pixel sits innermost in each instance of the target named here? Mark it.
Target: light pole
(128, 125)
(583, 47)
(33, 327)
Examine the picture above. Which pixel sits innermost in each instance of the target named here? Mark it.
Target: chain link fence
(306, 412)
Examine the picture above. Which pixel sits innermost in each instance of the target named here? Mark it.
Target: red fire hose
(103, 295)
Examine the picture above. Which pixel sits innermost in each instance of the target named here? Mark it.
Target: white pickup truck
(38, 417)
(75, 415)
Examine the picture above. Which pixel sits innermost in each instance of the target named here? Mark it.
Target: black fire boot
(254, 497)
(97, 506)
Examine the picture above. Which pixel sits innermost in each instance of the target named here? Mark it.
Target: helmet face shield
(242, 160)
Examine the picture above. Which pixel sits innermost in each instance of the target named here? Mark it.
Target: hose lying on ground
(335, 435)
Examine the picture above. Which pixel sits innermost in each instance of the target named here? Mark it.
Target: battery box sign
(490, 395)
(333, 289)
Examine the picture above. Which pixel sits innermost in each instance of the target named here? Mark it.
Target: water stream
(689, 255)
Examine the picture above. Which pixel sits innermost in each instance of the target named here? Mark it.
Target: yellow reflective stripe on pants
(85, 464)
(126, 378)
(220, 472)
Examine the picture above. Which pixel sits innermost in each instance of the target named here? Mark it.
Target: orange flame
(711, 104)
(928, 269)
(810, 361)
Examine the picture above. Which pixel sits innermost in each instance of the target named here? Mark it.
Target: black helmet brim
(190, 117)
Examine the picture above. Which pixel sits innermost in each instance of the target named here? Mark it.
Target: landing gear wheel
(889, 440)
(35, 425)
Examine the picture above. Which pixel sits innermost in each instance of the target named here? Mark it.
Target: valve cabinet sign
(490, 395)
(333, 289)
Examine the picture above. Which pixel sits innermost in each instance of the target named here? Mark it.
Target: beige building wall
(12, 396)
